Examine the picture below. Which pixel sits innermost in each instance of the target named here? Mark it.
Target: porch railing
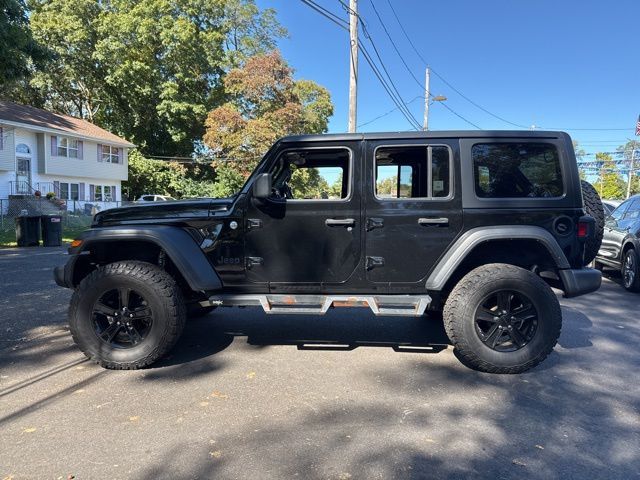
(46, 187)
(21, 188)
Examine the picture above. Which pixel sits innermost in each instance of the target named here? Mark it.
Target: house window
(104, 193)
(110, 154)
(69, 191)
(22, 148)
(68, 147)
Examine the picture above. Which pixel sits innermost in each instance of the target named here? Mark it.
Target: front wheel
(127, 315)
(502, 319)
(631, 271)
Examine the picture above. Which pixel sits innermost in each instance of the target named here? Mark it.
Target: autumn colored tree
(264, 103)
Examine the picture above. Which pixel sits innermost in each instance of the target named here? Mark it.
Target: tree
(629, 149)
(19, 52)
(610, 184)
(265, 103)
(388, 186)
(148, 70)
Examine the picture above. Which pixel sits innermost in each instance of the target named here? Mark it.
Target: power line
(325, 13)
(420, 84)
(389, 112)
(444, 80)
(369, 37)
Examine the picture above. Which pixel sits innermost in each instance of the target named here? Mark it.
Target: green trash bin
(51, 230)
(28, 231)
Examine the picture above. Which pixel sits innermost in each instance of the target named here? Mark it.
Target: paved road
(237, 399)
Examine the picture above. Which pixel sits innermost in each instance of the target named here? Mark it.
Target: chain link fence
(76, 214)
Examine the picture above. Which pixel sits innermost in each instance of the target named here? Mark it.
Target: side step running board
(408, 305)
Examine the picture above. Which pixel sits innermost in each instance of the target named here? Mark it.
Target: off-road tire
(459, 318)
(593, 206)
(634, 285)
(163, 296)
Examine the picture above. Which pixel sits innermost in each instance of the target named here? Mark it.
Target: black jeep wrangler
(476, 225)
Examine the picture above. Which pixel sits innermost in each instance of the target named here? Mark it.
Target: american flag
(638, 126)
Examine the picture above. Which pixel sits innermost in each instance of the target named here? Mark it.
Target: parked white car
(155, 198)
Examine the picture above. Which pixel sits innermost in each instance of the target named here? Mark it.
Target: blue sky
(564, 64)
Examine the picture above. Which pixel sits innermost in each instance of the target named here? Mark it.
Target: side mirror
(262, 186)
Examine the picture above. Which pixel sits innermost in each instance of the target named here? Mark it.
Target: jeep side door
(413, 209)
(307, 235)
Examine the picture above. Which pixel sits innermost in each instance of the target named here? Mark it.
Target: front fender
(178, 245)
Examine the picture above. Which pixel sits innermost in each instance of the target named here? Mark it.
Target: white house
(48, 152)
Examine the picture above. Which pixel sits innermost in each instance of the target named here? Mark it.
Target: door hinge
(254, 261)
(373, 262)
(253, 223)
(374, 222)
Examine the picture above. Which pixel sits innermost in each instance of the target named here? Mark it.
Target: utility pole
(353, 64)
(633, 154)
(426, 100)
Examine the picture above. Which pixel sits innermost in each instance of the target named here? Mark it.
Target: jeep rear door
(413, 209)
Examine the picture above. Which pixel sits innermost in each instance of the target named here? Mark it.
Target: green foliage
(388, 186)
(308, 183)
(160, 177)
(148, 70)
(610, 184)
(19, 52)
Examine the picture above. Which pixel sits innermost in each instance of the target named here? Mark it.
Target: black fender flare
(474, 237)
(179, 246)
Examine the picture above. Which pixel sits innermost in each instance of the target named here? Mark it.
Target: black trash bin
(28, 231)
(51, 230)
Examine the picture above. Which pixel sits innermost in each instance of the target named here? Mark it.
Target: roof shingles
(36, 117)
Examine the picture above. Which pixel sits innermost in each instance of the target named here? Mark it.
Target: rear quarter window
(517, 170)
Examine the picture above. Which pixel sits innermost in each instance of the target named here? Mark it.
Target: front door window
(23, 176)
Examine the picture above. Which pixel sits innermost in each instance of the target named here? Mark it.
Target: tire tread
(164, 286)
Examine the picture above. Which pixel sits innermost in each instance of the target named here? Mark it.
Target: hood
(162, 211)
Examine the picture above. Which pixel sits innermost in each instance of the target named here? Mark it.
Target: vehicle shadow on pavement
(337, 330)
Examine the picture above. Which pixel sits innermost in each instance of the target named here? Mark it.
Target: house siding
(88, 166)
(7, 154)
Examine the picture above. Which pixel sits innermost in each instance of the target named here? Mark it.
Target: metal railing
(21, 188)
(46, 187)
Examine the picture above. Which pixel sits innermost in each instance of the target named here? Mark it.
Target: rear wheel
(631, 271)
(127, 315)
(502, 319)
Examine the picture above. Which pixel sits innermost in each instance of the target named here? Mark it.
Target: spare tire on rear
(593, 206)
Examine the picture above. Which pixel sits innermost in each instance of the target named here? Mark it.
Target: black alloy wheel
(122, 317)
(506, 321)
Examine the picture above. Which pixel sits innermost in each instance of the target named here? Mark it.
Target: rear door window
(413, 171)
(517, 170)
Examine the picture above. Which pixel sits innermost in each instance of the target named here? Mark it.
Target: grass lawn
(8, 237)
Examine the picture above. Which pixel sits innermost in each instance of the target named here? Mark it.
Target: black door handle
(340, 222)
(443, 221)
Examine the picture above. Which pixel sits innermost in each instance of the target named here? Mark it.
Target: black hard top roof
(422, 134)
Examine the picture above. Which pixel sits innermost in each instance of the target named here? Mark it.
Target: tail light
(583, 229)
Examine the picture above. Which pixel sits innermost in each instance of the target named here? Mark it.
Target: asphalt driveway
(240, 398)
